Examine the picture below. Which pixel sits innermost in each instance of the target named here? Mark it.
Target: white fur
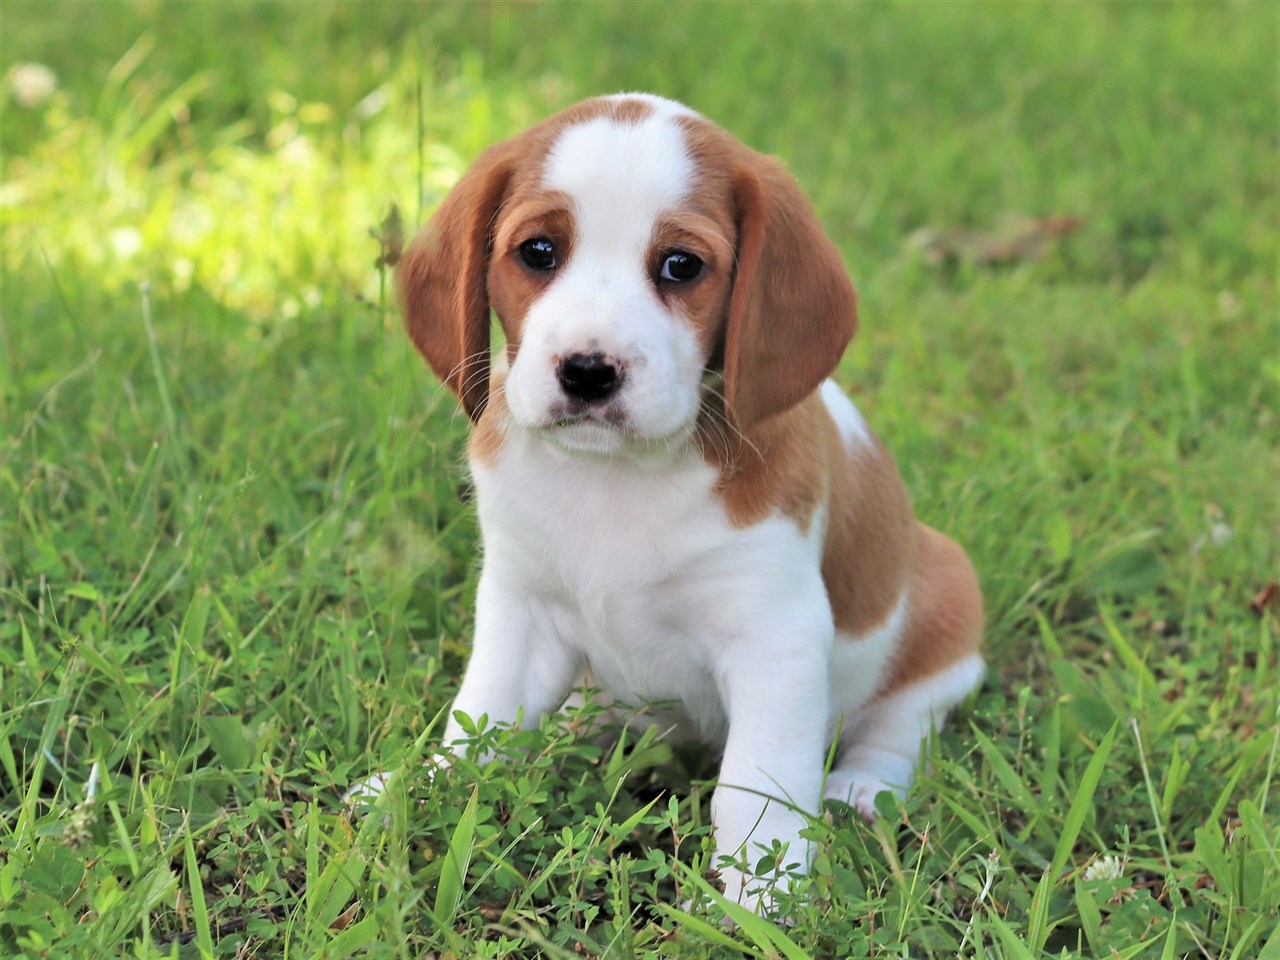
(635, 573)
(859, 664)
(848, 418)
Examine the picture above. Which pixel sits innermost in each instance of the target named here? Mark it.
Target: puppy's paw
(363, 792)
(858, 788)
(360, 796)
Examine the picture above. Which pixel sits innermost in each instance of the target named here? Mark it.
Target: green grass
(237, 562)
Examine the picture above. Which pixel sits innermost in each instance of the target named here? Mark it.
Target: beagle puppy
(676, 504)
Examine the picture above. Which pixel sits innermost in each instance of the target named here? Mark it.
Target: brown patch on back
(871, 538)
(795, 462)
(944, 623)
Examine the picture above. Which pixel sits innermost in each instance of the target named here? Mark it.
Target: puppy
(676, 504)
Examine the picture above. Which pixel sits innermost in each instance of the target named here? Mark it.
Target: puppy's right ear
(441, 279)
(793, 309)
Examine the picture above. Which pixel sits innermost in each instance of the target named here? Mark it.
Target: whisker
(718, 417)
(476, 377)
(465, 361)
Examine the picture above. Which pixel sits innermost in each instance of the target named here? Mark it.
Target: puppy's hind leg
(937, 667)
(881, 752)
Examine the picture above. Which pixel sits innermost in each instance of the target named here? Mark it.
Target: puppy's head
(640, 260)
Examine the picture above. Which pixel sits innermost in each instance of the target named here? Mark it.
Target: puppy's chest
(641, 564)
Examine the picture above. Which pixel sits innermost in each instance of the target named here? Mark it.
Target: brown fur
(790, 313)
(792, 309)
(702, 302)
(780, 469)
(945, 620)
(512, 286)
(871, 538)
(442, 279)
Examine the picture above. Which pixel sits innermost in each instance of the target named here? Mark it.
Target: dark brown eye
(680, 267)
(538, 254)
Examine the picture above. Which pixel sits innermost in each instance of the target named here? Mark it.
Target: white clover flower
(1109, 867)
(32, 83)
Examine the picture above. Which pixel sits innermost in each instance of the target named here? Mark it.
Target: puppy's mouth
(567, 416)
(610, 432)
(591, 431)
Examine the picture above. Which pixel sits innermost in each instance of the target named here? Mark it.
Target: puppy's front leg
(771, 775)
(520, 662)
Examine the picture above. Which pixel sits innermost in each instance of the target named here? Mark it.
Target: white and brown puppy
(674, 499)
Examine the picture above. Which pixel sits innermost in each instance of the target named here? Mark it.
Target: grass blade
(199, 909)
(1271, 949)
(457, 859)
(1014, 947)
(1081, 803)
(765, 934)
(710, 931)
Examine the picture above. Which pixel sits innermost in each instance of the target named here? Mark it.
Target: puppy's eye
(680, 267)
(538, 254)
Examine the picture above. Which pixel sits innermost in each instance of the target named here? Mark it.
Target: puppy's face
(610, 273)
(640, 260)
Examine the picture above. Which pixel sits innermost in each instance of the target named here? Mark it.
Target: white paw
(858, 789)
(360, 796)
(360, 793)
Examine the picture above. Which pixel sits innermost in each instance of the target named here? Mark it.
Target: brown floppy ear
(441, 279)
(793, 309)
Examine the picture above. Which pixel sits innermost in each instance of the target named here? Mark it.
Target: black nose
(588, 376)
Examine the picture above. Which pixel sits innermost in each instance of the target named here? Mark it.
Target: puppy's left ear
(793, 309)
(441, 279)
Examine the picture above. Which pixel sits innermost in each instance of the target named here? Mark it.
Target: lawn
(237, 553)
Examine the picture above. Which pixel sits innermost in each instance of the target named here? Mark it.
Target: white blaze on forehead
(622, 175)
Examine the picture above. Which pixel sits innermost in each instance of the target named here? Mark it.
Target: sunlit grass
(239, 214)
